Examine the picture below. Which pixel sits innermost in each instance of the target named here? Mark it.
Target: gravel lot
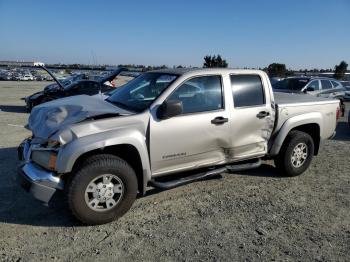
(252, 216)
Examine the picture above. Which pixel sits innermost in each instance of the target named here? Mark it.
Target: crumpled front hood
(47, 118)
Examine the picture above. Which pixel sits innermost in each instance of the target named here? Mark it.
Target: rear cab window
(247, 90)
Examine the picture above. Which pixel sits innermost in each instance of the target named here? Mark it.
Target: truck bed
(293, 98)
(289, 105)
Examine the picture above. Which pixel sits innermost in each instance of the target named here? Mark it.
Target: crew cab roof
(194, 70)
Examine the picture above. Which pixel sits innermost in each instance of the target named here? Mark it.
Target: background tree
(277, 70)
(340, 70)
(214, 61)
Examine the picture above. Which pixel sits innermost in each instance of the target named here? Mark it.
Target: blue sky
(299, 33)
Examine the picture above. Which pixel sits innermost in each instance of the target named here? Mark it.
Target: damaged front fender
(69, 154)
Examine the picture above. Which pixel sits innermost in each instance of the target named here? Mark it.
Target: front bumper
(41, 183)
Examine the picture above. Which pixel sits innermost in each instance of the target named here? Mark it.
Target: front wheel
(296, 154)
(102, 190)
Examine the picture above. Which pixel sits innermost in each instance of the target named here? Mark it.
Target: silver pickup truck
(196, 122)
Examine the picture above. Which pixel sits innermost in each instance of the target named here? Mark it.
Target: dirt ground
(250, 216)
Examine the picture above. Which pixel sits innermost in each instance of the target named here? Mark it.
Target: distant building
(20, 63)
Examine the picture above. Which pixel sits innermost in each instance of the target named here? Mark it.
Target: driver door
(197, 137)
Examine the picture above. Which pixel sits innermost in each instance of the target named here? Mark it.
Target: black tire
(283, 160)
(91, 169)
(342, 107)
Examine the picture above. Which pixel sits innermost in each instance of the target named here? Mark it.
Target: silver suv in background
(319, 86)
(346, 85)
(316, 86)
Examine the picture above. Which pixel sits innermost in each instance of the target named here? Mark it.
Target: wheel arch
(127, 152)
(309, 123)
(129, 145)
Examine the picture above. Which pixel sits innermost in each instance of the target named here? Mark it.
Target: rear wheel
(296, 154)
(102, 190)
(342, 107)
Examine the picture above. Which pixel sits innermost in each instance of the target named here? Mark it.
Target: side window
(200, 94)
(326, 84)
(335, 84)
(315, 85)
(247, 90)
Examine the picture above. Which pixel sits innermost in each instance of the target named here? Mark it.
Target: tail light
(338, 113)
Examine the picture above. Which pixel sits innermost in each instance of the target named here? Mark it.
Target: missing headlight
(45, 158)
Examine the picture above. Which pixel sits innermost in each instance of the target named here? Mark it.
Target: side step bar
(204, 175)
(244, 166)
(188, 179)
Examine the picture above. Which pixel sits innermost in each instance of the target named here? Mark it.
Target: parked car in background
(39, 78)
(274, 80)
(16, 77)
(75, 85)
(5, 76)
(27, 77)
(316, 86)
(346, 85)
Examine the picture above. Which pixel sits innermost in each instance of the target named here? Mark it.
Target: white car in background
(27, 77)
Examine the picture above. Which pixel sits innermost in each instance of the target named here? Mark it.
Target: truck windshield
(295, 84)
(138, 94)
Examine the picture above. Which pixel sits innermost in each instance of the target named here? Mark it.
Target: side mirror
(169, 109)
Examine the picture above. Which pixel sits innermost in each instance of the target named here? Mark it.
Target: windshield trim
(122, 106)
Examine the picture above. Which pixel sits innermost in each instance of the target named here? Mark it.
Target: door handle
(262, 114)
(219, 120)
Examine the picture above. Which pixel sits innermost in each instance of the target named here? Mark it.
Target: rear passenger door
(252, 117)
